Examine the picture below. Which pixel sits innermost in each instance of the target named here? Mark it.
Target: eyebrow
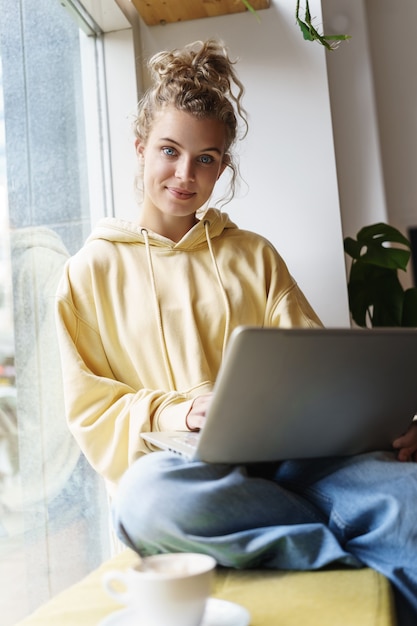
(211, 149)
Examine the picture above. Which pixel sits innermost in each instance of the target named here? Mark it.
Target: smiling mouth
(181, 194)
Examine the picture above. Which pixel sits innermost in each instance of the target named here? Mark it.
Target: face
(182, 160)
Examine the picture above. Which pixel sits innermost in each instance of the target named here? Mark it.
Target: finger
(407, 454)
(403, 441)
(398, 443)
(403, 455)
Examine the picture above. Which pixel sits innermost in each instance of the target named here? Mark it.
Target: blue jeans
(295, 515)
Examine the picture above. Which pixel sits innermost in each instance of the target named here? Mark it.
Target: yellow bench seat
(340, 597)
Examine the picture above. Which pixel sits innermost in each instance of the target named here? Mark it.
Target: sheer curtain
(53, 510)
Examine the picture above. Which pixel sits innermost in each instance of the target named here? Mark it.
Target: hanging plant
(310, 33)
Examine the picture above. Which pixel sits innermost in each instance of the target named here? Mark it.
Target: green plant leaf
(382, 231)
(391, 258)
(305, 29)
(251, 9)
(337, 37)
(388, 306)
(371, 247)
(310, 33)
(376, 296)
(409, 317)
(352, 247)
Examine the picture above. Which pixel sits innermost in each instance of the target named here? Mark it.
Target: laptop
(302, 393)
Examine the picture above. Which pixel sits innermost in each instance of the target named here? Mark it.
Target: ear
(225, 163)
(140, 147)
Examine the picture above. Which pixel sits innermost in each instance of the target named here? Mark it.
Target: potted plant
(376, 295)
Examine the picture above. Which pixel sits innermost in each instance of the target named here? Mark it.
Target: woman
(145, 311)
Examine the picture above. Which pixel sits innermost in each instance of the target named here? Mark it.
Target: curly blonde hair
(198, 79)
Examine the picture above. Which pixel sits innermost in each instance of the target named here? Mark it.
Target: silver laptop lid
(292, 393)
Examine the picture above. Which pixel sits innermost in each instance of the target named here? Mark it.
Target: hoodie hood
(211, 225)
(213, 222)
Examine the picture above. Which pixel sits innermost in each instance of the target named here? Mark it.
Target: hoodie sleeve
(286, 305)
(292, 309)
(105, 415)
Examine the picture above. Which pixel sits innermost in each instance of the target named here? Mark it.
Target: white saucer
(218, 613)
(224, 613)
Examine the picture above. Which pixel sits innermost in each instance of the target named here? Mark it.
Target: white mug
(165, 589)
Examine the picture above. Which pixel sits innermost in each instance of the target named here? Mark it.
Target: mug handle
(114, 576)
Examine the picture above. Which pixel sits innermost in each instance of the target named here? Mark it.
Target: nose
(185, 169)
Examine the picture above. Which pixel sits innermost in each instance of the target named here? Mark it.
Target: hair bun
(205, 64)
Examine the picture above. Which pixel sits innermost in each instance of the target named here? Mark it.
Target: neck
(174, 228)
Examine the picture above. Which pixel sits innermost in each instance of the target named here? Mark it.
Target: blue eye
(169, 151)
(206, 159)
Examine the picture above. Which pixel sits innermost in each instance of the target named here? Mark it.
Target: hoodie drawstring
(162, 341)
(157, 308)
(222, 288)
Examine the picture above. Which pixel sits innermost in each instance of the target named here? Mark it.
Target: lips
(181, 194)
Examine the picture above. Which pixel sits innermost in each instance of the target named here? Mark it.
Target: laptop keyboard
(188, 439)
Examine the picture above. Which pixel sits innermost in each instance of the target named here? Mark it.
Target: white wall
(393, 51)
(373, 87)
(359, 167)
(287, 160)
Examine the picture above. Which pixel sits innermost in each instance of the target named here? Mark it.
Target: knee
(145, 482)
(163, 495)
(144, 476)
(140, 497)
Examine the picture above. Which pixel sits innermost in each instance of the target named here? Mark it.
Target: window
(53, 157)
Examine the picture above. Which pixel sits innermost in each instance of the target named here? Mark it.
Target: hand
(407, 444)
(196, 417)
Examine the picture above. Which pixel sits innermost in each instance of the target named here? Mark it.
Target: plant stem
(310, 33)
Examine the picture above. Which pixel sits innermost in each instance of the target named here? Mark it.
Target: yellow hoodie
(143, 323)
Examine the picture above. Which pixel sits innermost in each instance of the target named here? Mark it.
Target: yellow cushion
(340, 597)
